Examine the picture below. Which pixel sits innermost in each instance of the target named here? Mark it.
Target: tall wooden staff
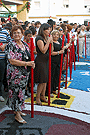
(49, 81)
(85, 47)
(61, 62)
(78, 48)
(67, 63)
(32, 78)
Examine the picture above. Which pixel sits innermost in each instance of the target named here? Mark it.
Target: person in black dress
(41, 70)
(55, 60)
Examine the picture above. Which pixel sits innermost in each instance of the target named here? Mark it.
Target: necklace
(22, 47)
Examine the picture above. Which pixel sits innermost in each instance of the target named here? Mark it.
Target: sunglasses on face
(60, 29)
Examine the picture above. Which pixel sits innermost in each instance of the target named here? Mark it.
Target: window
(67, 6)
(85, 6)
(37, 4)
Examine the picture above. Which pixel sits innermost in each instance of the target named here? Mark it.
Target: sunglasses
(60, 29)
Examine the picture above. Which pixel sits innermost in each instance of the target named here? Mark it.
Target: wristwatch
(58, 52)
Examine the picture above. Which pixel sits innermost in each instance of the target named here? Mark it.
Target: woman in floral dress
(18, 58)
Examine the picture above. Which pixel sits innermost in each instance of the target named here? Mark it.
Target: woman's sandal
(38, 103)
(43, 99)
(21, 113)
(20, 121)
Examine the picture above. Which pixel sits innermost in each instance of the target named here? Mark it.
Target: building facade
(69, 10)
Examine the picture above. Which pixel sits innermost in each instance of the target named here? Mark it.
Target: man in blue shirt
(4, 39)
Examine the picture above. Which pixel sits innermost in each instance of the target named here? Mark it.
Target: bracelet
(25, 64)
(58, 52)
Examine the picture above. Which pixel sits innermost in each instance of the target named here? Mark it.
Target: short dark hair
(9, 16)
(27, 24)
(32, 28)
(9, 25)
(16, 20)
(37, 22)
(16, 27)
(79, 25)
(27, 32)
(24, 27)
(51, 23)
(7, 28)
(43, 27)
(60, 19)
(33, 21)
(2, 20)
(71, 24)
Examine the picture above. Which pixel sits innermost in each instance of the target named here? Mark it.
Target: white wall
(42, 11)
(55, 7)
(76, 6)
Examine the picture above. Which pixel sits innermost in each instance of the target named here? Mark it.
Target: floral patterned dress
(17, 76)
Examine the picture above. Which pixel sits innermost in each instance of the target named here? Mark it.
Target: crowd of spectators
(15, 47)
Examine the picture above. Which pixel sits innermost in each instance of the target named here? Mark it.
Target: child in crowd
(27, 36)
